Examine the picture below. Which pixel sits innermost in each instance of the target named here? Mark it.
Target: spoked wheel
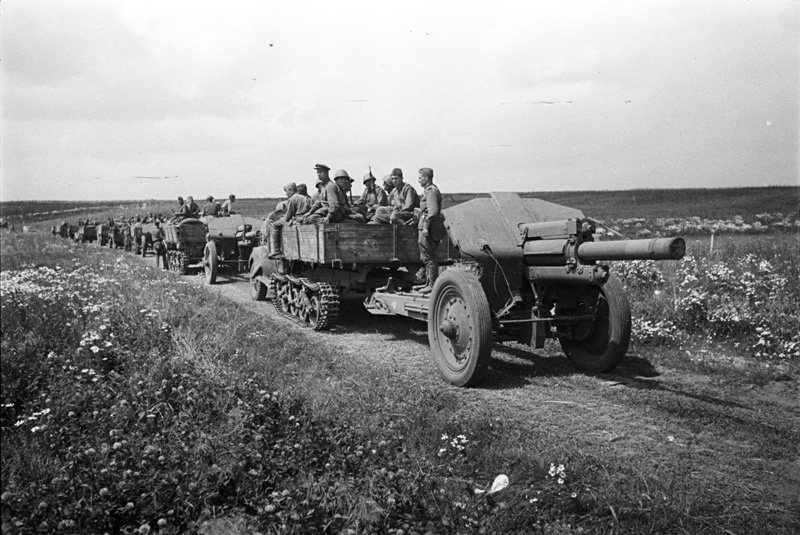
(598, 346)
(295, 306)
(210, 262)
(313, 311)
(258, 290)
(460, 328)
(283, 293)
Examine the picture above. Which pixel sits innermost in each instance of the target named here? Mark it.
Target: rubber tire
(476, 350)
(607, 345)
(258, 290)
(210, 262)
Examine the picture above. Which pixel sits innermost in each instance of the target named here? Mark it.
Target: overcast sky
(242, 97)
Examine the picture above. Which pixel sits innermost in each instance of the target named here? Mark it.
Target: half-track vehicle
(516, 269)
(230, 242)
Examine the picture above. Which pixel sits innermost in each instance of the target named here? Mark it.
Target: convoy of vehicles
(511, 269)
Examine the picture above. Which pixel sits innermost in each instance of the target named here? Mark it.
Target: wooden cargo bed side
(351, 243)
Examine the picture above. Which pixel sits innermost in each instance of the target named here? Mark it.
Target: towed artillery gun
(516, 269)
(185, 241)
(230, 240)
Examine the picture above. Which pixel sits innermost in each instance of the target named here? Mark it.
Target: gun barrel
(655, 249)
(554, 252)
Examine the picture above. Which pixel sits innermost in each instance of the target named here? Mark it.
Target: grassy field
(135, 401)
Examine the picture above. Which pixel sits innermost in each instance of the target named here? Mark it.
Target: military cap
(341, 173)
(290, 185)
(397, 172)
(322, 167)
(426, 171)
(368, 176)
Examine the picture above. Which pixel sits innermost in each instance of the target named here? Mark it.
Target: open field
(138, 401)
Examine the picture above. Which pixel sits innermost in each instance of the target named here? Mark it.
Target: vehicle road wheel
(460, 328)
(258, 290)
(210, 262)
(599, 346)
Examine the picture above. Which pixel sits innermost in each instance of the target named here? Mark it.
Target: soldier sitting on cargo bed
(210, 208)
(227, 206)
(403, 201)
(372, 198)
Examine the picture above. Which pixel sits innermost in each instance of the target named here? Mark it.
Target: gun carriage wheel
(597, 346)
(210, 262)
(460, 327)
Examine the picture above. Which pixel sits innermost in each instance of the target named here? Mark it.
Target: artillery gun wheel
(599, 346)
(210, 262)
(177, 262)
(258, 290)
(460, 327)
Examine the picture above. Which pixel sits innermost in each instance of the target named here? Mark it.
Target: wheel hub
(449, 328)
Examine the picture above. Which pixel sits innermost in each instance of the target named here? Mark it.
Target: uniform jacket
(404, 199)
(431, 217)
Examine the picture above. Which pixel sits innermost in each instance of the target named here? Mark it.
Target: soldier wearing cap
(372, 197)
(431, 228)
(403, 201)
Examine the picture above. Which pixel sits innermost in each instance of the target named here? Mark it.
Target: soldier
(327, 208)
(277, 219)
(159, 247)
(431, 228)
(345, 185)
(227, 206)
(372, 197)
(403, 200)
(190, 209)
(210, 208)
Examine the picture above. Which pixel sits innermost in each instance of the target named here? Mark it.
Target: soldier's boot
(420, 279)
(433, 273)
(275, 244)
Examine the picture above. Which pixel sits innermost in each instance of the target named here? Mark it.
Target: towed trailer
(516, 269)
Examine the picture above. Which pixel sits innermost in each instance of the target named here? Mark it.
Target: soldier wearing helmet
(372, 197)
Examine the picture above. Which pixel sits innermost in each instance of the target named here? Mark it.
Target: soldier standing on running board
(431, 228)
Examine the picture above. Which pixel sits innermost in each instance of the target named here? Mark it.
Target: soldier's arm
(408, 200)
(432, 202)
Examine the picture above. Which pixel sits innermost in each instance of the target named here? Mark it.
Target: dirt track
(723, 433)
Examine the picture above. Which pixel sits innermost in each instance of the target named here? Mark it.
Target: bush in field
(745, 299)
